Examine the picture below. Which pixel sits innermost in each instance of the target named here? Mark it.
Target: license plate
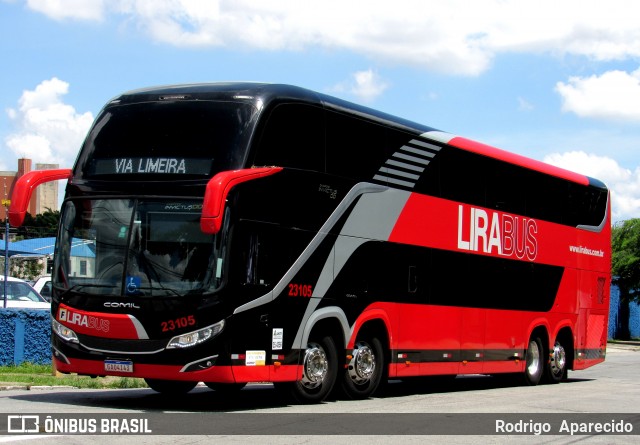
(118, 365)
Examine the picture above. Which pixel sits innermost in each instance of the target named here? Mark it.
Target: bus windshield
(136, 247)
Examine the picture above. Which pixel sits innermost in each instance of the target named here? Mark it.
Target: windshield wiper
(77, 287)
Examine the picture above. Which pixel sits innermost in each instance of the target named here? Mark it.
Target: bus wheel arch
(367, 365)
(319, 360)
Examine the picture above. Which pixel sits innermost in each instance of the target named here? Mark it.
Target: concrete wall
(623, 318)
(25, 336)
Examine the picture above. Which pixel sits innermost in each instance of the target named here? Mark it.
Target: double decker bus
(246, 232)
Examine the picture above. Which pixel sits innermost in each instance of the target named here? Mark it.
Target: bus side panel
(504, 341)
(591, 327)
(472, 340)
(428, 340)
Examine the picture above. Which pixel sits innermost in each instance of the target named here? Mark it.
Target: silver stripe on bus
(405, 165)
(417, 151)
(421, 161)
(438, 136)
(394, 181)
(425, 144)
(600, 228)
(142, 333)
(185, 367)
(112, 351)
(311, 317)
(59, 355)
(392, 171)
(372, 218)
(359, 189)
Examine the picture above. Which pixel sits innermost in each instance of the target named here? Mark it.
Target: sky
(556, 81)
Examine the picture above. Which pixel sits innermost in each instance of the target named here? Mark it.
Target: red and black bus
(243, 232)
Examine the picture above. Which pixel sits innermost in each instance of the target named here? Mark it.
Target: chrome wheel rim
(558, 359)
(363, 364)
(315, 366)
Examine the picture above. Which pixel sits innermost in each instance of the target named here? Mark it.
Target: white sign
(256, 358)
(276, 338)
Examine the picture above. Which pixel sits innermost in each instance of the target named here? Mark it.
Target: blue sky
(555, 81)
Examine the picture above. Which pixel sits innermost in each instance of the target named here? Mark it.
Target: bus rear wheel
(556, 368)
(365, 369)
(170, 386)
(534, 362)
(319, 372)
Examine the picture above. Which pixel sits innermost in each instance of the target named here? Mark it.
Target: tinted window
(478, 180)
(293, 137)
(355, 147)
(182, 139)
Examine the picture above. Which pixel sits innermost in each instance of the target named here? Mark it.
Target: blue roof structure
(46, 246)
(12, 250)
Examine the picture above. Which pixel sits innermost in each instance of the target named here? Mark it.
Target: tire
(556, 366)
(365, 370)
(534, 362)
(170, 386)
(225, 388)
(319, 373)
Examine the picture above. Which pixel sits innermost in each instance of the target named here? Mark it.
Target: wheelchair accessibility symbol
(133, 285)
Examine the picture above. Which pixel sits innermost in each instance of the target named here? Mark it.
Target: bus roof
(262, 94)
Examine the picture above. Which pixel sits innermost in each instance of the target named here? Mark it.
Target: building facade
(45, 196)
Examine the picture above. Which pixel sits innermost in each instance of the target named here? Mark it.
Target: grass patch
(42, 375)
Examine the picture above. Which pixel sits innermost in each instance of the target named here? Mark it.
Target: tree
(43, 224)
(625, 258)
(625, 269)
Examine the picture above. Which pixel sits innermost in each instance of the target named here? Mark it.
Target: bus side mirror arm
(24, 187)
(217, 190)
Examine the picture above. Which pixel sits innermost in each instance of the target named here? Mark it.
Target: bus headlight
(64, 332)
(196, 337)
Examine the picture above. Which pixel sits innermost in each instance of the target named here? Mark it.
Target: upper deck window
(179, 139)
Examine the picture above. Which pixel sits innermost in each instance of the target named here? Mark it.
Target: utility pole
(6, 203)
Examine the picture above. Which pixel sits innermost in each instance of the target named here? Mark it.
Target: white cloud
(46, 129)
(614, 95)
(366, 85)
(623, 183)
(456, 36)
(92, 10)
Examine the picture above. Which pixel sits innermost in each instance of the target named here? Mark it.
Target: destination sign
(151, 165)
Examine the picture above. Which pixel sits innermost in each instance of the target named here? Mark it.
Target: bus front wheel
(365, 369)
(319, 372)
(170, 386)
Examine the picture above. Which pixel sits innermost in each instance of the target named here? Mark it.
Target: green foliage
(27, 268)
(44, 224)
(625, 258)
